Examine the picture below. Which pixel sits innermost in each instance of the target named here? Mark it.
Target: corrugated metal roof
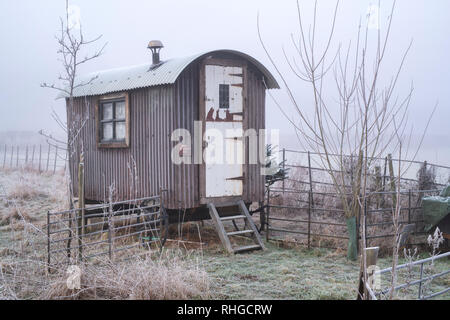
(141, 76)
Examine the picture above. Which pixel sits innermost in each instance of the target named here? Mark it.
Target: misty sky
(29, 48)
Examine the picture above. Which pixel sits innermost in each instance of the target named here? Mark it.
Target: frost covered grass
(194, 265)
(298, 273)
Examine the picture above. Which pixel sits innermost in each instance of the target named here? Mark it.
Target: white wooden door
(224, 149)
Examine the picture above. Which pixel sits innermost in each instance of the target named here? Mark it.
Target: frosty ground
(283, 271)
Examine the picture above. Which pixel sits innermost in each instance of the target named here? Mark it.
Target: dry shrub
(13, 214)
(148, 278)
(24, 191)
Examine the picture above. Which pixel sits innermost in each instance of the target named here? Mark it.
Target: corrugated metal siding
(151, 112)
(186, 112)
(255, 119)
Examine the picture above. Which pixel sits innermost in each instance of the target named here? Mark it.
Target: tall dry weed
(170, 276)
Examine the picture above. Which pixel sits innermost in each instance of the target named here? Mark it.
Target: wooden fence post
(392, 180)
(80, 220)
(4, 157)
(12, 153)
(420, 283)
(40, 157)
(110, 225)
(378, 185)
(310, 200)
(284, 168)
(26, 155)
(48, 241)
(268, 214)
(48, 157)
(365, 220)
(409, 206)
(17, 155)
(56, 156)
(371, 261)
(32, 156)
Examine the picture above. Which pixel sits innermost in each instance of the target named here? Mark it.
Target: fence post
(420, 283)
(392, 182)
(378, 185)
(110, 225)
(371, 255)
(56, 156)
(365, 220)
(4, 157)
(40, 157)
(81, 194)
(309, 219)
(48, 241)
(310, 200)
(32, 157)
(26, 155)
(268, 213)
(69, 240)
(17, 155)
(409, 206)
(48, 158)
(12, 153)
(284, 167)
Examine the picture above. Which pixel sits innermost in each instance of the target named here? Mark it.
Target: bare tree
(354, 111)
(72, 45)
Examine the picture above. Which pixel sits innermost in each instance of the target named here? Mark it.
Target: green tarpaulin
(436, 208)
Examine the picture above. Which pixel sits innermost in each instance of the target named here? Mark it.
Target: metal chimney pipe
(155, 46)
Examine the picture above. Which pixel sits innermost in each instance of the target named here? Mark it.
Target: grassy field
(298, 273)
(282, 271)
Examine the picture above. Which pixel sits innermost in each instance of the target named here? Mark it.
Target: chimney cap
(155, 44)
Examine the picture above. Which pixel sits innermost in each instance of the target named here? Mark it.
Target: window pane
(108, 131)
(120, 130)
(224, 96)
(120, 110)
(107, 111)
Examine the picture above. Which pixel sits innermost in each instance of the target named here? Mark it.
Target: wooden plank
(256, 234)
(219, 227)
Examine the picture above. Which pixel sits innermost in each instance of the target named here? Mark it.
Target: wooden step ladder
(250, 228)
